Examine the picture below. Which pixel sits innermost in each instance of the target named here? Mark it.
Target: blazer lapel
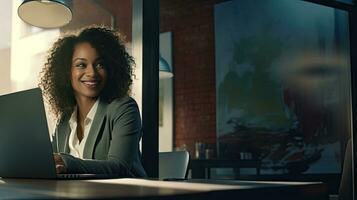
(94, 130)
(64, 131)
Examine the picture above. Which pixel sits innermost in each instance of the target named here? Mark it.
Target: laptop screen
(25, 147)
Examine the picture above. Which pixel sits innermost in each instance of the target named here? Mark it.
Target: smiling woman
(88, 75)
(86, 80)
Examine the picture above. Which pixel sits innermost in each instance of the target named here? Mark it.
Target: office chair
(173, 165)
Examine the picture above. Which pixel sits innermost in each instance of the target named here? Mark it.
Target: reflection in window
(282, 84)
(345, 1)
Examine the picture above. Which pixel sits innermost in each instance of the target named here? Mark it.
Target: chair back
(173, 164)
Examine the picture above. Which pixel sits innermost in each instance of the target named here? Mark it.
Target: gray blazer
(112, 146)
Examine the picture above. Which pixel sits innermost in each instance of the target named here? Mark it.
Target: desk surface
(153, 189)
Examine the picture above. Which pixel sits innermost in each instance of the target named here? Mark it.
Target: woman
(86, 81)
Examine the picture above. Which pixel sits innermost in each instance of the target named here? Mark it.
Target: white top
(75, 147)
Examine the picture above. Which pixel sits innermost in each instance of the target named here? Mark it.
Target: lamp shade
(45, 13)
(165, 69)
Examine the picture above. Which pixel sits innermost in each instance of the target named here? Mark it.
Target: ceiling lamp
(46, 13)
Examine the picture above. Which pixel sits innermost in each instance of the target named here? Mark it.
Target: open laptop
(25, 146)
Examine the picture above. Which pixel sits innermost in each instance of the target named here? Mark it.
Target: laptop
(25, 146)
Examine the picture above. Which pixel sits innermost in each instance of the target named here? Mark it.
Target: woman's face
(88, 75)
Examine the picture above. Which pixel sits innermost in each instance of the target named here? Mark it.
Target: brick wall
(192, 27)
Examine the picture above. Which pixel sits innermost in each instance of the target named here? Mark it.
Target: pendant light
(46, 13)
(165, 69)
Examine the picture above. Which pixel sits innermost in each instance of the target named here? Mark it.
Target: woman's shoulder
(123, 104)
(125, 100)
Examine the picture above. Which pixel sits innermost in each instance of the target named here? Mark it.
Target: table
(129, 188)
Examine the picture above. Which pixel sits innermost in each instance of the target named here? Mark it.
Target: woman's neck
(84, 105)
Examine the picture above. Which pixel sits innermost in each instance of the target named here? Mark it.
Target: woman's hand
(60, 166)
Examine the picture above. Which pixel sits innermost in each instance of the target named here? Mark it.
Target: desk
(161, 190)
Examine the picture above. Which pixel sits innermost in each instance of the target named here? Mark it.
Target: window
(266, 82)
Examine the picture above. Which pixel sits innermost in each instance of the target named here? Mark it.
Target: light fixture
(165, 69)
(45, 13)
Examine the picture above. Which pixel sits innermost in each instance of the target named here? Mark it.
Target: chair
(173, 165)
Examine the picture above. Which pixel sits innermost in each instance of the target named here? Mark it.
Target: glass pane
(282, 83)
(267, 85)
(346, 1)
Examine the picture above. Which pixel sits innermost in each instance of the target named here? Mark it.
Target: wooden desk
(154, 189)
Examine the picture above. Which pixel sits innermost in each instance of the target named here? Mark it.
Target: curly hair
(55, 75)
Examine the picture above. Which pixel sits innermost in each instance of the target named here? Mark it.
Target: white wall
(29, 46)
(5, 84)
(5, 37)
